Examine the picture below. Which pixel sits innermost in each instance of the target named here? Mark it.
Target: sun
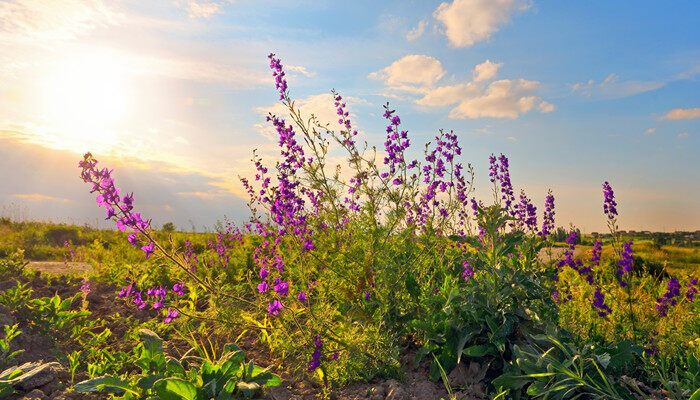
(85, 98)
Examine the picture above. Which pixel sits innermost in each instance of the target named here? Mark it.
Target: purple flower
(599, 303)
(609, 204)
(278, 73)
(85, 288)
(281, 287)
(179, 288)
(262, 287)
(274, 307)
(468, 271)
(148, 249)
(316, 356)
(170, 315)
(133, 239)
(138, 301)
(625, 263)
(302, 296)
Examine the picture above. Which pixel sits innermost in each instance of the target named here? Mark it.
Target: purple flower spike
(609, 204)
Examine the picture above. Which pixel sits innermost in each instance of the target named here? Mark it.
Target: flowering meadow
(342, 273)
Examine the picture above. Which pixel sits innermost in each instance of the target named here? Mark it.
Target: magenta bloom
(148, 249)
(171, 315)
(274, 307)
(262, 287)
(281, 287)
(133, 239)
(179, 288)
(302, 296)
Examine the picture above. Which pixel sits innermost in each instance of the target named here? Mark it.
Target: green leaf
(412, 286)
(175, 389)
(146, 382)
(477, 351)
(109, 383)
(696, 395)
(512, 382)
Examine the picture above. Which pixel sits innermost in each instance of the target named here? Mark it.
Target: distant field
(44, 241)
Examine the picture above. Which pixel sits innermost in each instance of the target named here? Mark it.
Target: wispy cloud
(612, 87)
(418, 31)
(682, 113)
(203, 9)
(39, 197)
(53, 20)
(466, 22)
(683, 135)
(650, 131)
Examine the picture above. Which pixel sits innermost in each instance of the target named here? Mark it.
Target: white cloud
(451, 94)
(650, 131)
(469, 21)
(545, 107)
(417, 75)
(417, 32)
(682, 113)
(55, 20)
(486, 70)
(413, 69)
(301, 70)
(502, 99)
(683, 135)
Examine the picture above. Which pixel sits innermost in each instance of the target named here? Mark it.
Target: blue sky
(173, 95)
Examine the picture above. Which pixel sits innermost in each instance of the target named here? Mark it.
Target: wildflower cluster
(625, 263)
(316, 355)
(119, 209)
(395, 145)
(156, 296)
(498, 168)
(673, 291)
(548, 217)
(609, 204)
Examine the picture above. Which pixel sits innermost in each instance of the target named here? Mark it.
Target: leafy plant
(190, 377)
(54, 313)
(6, 356)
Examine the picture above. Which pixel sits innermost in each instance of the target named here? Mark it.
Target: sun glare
(85, 99)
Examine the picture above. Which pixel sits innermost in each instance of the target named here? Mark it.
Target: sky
(173, 95)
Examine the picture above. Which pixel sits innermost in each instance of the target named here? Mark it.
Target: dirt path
(60, 267)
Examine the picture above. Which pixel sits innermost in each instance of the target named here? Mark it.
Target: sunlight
(85, 98)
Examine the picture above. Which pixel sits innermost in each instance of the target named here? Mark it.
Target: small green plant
(54, 313)
(6, 356)
(13, 265)
(73, 363)
(190, 377)
(17, 297)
